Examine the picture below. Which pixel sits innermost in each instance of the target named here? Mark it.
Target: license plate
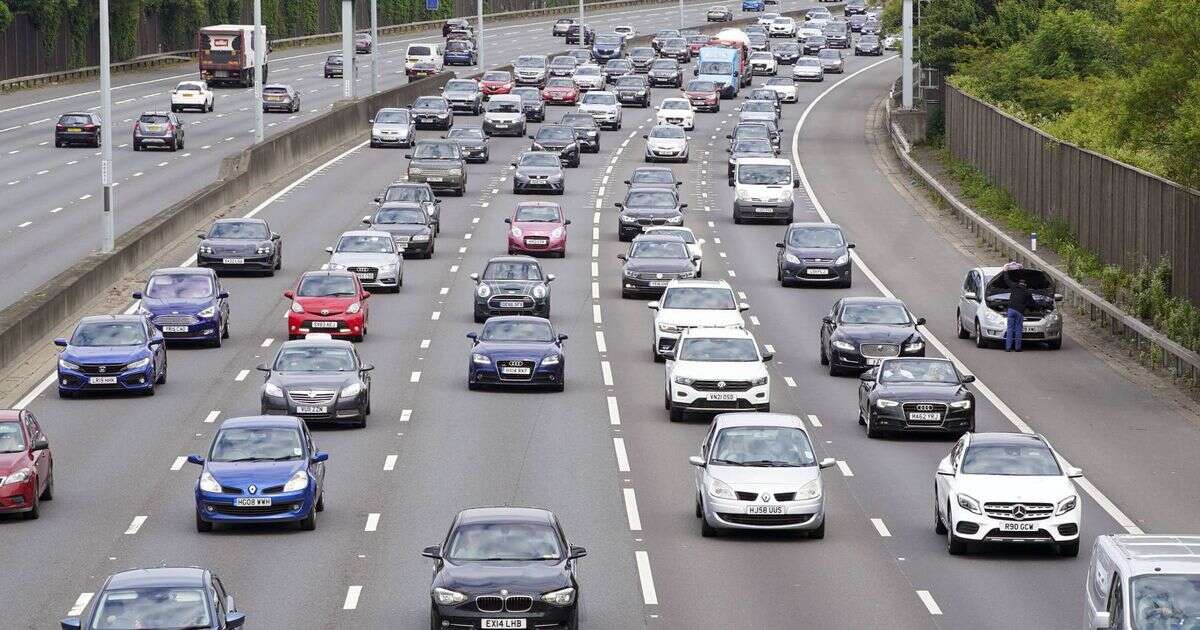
(74, 129)
(500, 125)
(174, 329)
(508, 304)
(1018, 527)
(659, 283)
(722, 396)
(233, 261)
(324, 324)
(252, 501)
(871, 361)
(1028, 329)
(764, 509)
(485, 624)
(154, 128)
(433, 179)
(188, 94)
(924, 415)
(536, 241)
(817, 272)
(102, 380)
(519, 371)
(310, 409)
(765, 210)
(365, 275)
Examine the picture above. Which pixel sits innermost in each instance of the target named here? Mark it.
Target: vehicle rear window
(75, 120)
(154, 119)
(407, 193)
(277, 90)
(423, 51)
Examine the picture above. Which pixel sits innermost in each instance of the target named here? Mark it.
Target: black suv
(558, 139)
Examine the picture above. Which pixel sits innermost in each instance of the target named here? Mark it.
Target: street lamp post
(374, 47)
(348, 64)
(479, 34)
(906, 79)
(260, 57)
(106, 166)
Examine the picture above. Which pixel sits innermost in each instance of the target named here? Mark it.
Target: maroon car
(496, 82)
(560, 91)
(26, 467)
(704, 96)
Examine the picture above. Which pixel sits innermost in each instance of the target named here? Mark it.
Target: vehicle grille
(309, 325)
(258, 510)
(496, 300)
(715, 386)
(765, 519)
(754, 496)
(109, 368)
(369, 271)
(924, 407)
(819, 261)
(1032, 511)
(504, 603)
(652, 221)
(312, 397)
(879, 350)
(175, 320)
(997, 534)
(530, 365)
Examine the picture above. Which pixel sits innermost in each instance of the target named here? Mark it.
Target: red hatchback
(26, 467)
(561, 91)
(496, 82)
(332, 302)
(704, 95)
(537, 227)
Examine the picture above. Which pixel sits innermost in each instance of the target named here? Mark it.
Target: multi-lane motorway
(602, 454)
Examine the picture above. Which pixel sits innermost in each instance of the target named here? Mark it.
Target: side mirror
(767, 356)
(432, 551)
(263, 367)
(474, 277)
(968, 295)
(654, 306)
(224, 295)
(619, 204)
(827, 320)
(742, 306)
(289, 294)
(235, 620)
(567, 222)
(577, 552)
(408, 156)
(512, 163)
(968, 378)
(868, 376)
(849, 245)
(473, 336)
(1074, 473)
(1058, 297)
(622, 257)
(72, 623)
(366, 367)
(371, 120)
(697, 461)
(700, 241)
(40, 445)
(329, 250)
(627, 182)
(195, 459)
(157, 339)
(137, 295)
(562, 337)
(365, 295)
(920, 321)
(202, 236)
(945, 468)
(320, 456)
(645, 136)
(1100, 620)
(366, 220)
(531, 136)
(507, 220)
(779, 245)
(379, 200)
(682, 206)
(728, 137)
(795, 183)
(828, 462)
(275, 236)
(550, 277)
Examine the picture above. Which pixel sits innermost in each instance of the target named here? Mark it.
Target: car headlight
(352, 390)
(354, 308)
(205, 249)
(539, 291)
(684, 380)
(721, 490)
(516, 231)
(67, 365)
(842, 345)
(208, 484)
(687, 274)
(961, 404)
(481, 359)
(668, 328)
(675, 220)
(969, 504)
(1066, 505)
(414, 171)
(299, 481)
(810, 490)
(296, 308)
(762, 380)
(483, 290)
(551, 359)
(264, 249)
(743, 195)
(537, 147)
(389, 268)
(843, 259)
(273, 390)
(20, 476)
(884, 403)
(561, 597)
(442, 115)
(791, 258)
(446, 597)
(420, 238)
(139, 364)
(630, 274)
(995, 318)
(557, 233)
(208, 312)
(1053, 316)
(625, 218)
(914, 346)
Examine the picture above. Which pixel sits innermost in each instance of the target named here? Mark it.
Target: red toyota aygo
(26, 466)
(332, 302)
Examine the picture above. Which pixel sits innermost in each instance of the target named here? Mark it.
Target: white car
(806, 31)
(891, 42)
(192, 95)
(418, 53)
(666, 142)
(715, 370)
(687, 304)
(808, 69)
(784, 87)
(603, 107)
(782, 27)
(763, 63)
(372, 256)
(765, 19)
(589, 76)
(626, 31)
(1006, 488)
(695, 245)
(677, 111)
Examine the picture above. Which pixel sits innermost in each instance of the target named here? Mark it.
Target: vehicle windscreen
(496, 105)
(718, 349)
(429, 102)
(701, 86)
(365, 244)
(705, 298)
(668, 131)
(630, 82)
(167, 607)
(562, 82)
(641, 52)
(334, 60)
(527, 93)
(765, 175)
(874, 313)
(530, 61)
(650, 199)
(458, 45)
(609, 40)
(675, 103)
(539, 158)
(658, 249)
(665, 64)
(275, 90)
(619, 64)
(314, 359)
(577, 120)
(250, 230)
(465, 133)
(326, 286)
(816, 40)
(715, 67)
(180, 286)
(95, 334)
(512, 270)
(256, 444)
(868, 39)
(784, 447)
(826, 53)
(419, 51)
(1165, 602)
(597, 98)
(497, 75)
(12, 440)
(808, 61)
(400, 216)
(753, 146)
(1010, 459)
(482, 542)
(563, 61)
(918, 371)
(516, 330)
(815, 237)
(435, 151)
(407, 193)
(186, 85)
(392, 117)
(461, 85)
(556, 132)
(652, 176)
(587, 71)
(537, 214)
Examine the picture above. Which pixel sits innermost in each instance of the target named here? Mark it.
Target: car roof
(643, 237)
(157, 576)
(505, 515)
(366, 233)
(156, 112)
(191, 271)
(241, 220)
(1146, 554)
(871, 299)
(549, 204)
(813, 224)
(719, 333)
(1002, 438)
(704, 284)
(518, 318)
(118, 317)
(514, 258)
(262, 421)
(505, 97)
(76, 114)
(661, 229)
(756, 419)
(764, 160)
(10, 414)
(281, 86)
(328, 272)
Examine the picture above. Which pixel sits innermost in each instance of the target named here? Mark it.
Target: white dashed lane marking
(930, 604)
(881, 528)
(646, 578)
(241, 376)
(815, 421)
(614, 413)
(622, 455)
(352, 595)
(389, 462)
(178, 463)
(135, 525)
(372, 522)
(845, 468)
(631, 510)
(82, 601)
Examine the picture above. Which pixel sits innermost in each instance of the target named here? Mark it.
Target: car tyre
(1069, 550)
(938, 526)
(819, 533)
(34, 512)
(824, 356)
(48, 493)
(872, 432)
(980, 340)
(963, 333)
(955, 546)
(202, 525)
(676, 413)
(309, 523)
(708, 531)
(1054, 344)
(321, 502)
(472, 385)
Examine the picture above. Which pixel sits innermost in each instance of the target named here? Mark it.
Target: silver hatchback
(983, 302)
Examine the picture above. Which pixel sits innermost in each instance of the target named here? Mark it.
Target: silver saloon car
(392, 126)
(372, 256)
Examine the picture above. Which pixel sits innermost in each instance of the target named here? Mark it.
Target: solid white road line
(81, 602)
(881, 528)
(649, 595)
(815, 421)
(845, 468)
(622, 455)
(352, 594)
(614, 414)
(241, 376)
(212, 416)
(389, 462)
(930, 604)
(606, 372)
(372, 522)
(135, 525)
(178, 463)
(631, 510)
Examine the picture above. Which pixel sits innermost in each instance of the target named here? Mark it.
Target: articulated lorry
(227, 54)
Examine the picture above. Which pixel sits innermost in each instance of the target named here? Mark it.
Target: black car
(240, 245)
(573, 35)
(558, 139)
(747, 148)
(653, 177)
(814, 44)
(916, 395)
(174, 597)
(663, 72)
(652, 262)
(538, 171)
(417, 192)
(675, 48)
(333, 66)
(517, 351)
(856, 22)
(766, 94)
(587, 132)
(472, 142)
(512, 285)
(758, 41)
(617, 68)
(644, 207)
(561, 25)
(814, 252)
(837, 36)
(855, 7)
(532, 103)
(661, 36)
(464, 96)
(318, 380)
(641, 57)
(608, 46)
(868, 45)
(455, 24)
(859, 332)
(632, 89)
(764, 129)
(786, 53)
(533, 586)
(871, 27)
(432, 112)
(411, 228)
(77, 128)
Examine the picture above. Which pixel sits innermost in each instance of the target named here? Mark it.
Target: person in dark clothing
(1018, 303)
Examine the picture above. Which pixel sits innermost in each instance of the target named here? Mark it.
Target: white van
(764, 190)
(417, 53)
(1143, 581)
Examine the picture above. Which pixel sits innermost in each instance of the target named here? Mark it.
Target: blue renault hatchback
(107, 353)
(260, 469)
(517, 351)
(186, 304)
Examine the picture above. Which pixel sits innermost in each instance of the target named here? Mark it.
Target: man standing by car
(1018, 302)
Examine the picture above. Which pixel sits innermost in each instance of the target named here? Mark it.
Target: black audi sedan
(915, 395)
(504, 567)
(632, 89)
(653, 262)
(617, 68)
(318, 379)
(665, 72)
(411, 228)
(644, 207)
(559, 139)
(240, 245)
(473, 143)
(532, 104)
(814, 253)
(512, 285)
(860, 332)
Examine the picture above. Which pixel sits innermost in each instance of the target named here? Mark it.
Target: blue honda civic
(186, 304)
(260, 469)
(107, 353)
(517, 351)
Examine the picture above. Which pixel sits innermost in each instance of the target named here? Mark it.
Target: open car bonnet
(1037, 281)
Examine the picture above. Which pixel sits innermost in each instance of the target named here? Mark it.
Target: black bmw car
(532, 104)
(504, 567)
(558, 139)
(318, 380)
(815, 253)
(517, 351)
(861, 332)
(916, 395)
(868, 45)
(410, 227)
(664, 72)
(472, 142)
(587, 132)
(512, 285)
(652, 262)
(240, 245)
(644, 207)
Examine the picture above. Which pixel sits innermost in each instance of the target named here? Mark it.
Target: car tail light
(170, 127)
(60, 126)
(89, 126)
(137, 127)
